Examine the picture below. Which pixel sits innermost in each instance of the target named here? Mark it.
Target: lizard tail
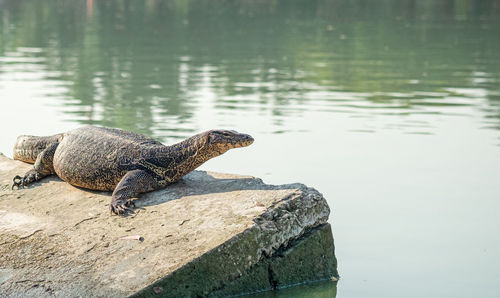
(27, 148)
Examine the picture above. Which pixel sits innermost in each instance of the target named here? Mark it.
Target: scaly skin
(120, 161)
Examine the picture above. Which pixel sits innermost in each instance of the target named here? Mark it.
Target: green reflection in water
(135, 64)
(317, 290)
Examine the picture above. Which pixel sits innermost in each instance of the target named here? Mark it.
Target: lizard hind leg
(43, 167)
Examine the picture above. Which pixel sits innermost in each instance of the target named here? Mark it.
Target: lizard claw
(121, 207)
(18, 182)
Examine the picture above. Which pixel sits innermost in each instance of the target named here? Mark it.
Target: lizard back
(97, 157)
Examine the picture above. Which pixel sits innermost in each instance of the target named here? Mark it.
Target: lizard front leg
(133, 183)
(43, 167)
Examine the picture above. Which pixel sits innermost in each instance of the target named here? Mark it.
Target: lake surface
(390, 109)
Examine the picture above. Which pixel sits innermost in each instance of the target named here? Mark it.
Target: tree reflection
(131, 61)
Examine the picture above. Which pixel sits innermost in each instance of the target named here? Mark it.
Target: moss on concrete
(307, 259)
(310, 258)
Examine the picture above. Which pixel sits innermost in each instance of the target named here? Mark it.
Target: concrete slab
(209, 234)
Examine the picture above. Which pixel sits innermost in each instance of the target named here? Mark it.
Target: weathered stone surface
(310, 258)
(209, 234)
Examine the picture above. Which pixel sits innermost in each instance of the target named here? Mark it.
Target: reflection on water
(302, 73)
(317, 290)
(153, 62)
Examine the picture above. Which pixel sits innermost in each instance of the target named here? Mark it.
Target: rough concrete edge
(283, 222)
(286, 268)
(281, 260)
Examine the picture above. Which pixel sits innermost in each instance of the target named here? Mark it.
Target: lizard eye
(222, 133)
(221, 136)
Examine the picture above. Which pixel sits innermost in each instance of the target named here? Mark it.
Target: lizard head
(223, 140)
(194, 151)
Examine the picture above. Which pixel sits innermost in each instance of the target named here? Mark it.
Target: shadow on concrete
(193, 184)
(199, 183)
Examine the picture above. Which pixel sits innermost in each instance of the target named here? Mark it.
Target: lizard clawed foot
(121, 207)
(30, 177)
(18, 182)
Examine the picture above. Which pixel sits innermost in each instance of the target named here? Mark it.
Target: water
(390, 109)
